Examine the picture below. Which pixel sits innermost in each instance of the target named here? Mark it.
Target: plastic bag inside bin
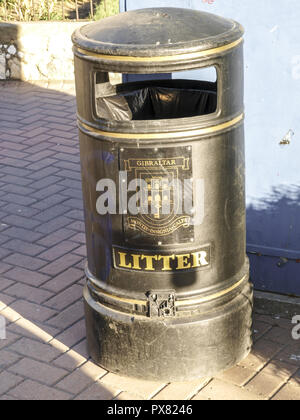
(155, 102)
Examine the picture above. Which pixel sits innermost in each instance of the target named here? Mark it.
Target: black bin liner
(157, 102)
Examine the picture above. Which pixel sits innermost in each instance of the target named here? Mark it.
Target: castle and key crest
(165, 174)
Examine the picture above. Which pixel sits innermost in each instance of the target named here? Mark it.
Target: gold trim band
(125, 300)
(187, 302)
(169, 135)
(155, 59)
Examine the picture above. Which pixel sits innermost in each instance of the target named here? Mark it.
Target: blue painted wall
(272, 97)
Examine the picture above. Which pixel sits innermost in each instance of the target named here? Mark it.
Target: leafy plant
(106, 8)
(28, 10)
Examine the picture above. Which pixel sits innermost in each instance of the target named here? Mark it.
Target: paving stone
(24, 247)
(76, 382)
(9, 314)
(78, 225)
(10, 338)
(62, 300)
(32, 369)
(45, 182)
(260, 329)
(51, 213)
(79, 237)
(56, 237)
(92, 370)
(261, 354)
(8, 380)
(73, 335)
(81, 251)
(295, 380)
(58, 250)
(146, 389)
(5, 283)
(219, 390)
(11, 182)
(77, 215)
(31, 390)
(50, 201)
(32, 294)
(265, 385)
(15, 171)
(237, 375)
(180, 390)
(35, 330)
(64, 280)
(53, 225)
(68, 316)
(290, 354)
(17, 189)
(19, 199)
(14, 162)
(4, 253)
(4, 267)
(70, 360)
(279, 335)
(99, 392)
(288, 393)
(61, 264)
(30, 277)
(35, 349)
(7, 358)
(81, 378)
(5, 300)
(25, 261)
(7, 398)
(23, 234)
(81, 348)
(280, 369)
(127, 396)
(32, 311)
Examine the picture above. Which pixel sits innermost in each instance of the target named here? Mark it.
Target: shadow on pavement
(42, 251)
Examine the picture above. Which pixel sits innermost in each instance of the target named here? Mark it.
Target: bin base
(168, 350)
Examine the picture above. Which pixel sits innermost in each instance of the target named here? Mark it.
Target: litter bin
(168, 295)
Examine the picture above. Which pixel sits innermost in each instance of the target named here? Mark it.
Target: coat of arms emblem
(161, 176)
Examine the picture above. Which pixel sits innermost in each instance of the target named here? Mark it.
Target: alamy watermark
(296, 329)
(155, 195)
(2, 328)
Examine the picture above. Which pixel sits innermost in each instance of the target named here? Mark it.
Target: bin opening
(155, 100)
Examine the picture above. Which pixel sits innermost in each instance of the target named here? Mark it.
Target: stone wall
(34, 51)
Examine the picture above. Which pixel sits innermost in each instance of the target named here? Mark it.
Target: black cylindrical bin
(168, 294)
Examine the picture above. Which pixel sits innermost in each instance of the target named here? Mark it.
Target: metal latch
(161, 304)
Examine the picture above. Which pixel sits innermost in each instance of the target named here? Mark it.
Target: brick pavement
(41, 259)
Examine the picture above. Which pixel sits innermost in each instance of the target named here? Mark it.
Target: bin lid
(157, 32)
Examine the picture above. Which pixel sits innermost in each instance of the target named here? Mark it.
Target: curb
(272, 304)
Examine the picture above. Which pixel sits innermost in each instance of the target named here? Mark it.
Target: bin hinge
(161, 304)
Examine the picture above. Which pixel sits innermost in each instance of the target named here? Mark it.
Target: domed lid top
(157, 32)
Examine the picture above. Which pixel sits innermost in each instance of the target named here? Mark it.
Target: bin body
(168, 294)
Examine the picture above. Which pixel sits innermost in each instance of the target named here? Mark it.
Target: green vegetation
(29, 10)
(106, 8)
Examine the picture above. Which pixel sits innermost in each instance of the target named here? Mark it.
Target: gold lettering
(183, 261)
(123, 260)
(149, 261)
(199, 259)
(136, 261)
(166, 260)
